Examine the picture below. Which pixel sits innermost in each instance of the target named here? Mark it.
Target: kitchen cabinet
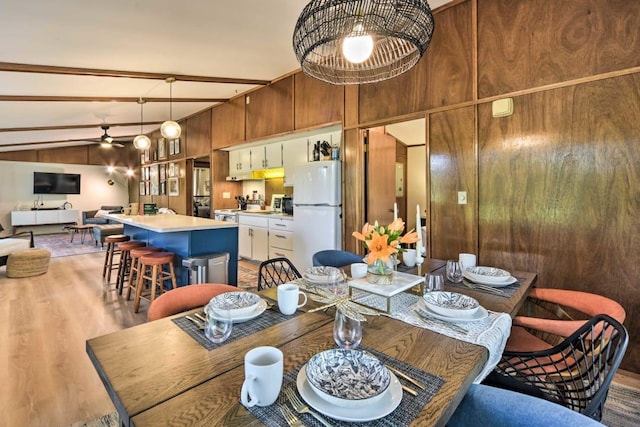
(240, 161)
(253, 237)
(294, 152)
(269, 110)
(281, 238)
(273, 155)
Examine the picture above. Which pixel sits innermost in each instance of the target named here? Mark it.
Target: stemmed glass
(347, 332)
(218, 326)
(454, 271)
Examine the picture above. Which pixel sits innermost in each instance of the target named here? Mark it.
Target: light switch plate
(462, 197)
(226, 195)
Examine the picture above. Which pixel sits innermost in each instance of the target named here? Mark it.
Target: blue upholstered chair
(89, 217)
(335, 258)
(484, 406)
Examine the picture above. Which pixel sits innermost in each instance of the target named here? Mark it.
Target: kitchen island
(186, 237)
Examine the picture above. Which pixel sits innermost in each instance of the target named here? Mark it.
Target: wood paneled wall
(525, 44)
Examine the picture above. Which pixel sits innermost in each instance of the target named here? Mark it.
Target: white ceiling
(246, 39)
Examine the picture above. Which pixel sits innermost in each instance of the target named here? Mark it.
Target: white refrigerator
(317, 210)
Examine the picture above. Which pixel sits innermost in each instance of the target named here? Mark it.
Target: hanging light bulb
(170, 129)
(358, 46)
(142, 141)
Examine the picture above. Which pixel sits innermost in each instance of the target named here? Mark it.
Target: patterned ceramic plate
(238, 303)
(490, 274)
(451, 304)
(321, 275)
(347, 378)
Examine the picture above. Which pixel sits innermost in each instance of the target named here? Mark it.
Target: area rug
(109, 420)
(60, 244)
(621, 408)
(247, 278)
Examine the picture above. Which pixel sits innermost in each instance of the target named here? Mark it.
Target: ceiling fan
(107, 141)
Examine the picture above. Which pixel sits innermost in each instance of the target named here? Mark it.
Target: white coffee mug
(467, 260)
(288, 298)
(358, 270)
(263, 370)
(409, 257)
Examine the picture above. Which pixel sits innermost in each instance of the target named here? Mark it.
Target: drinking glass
(347, 332)
(433, 282)
(338, 283)
(218, 327)
(454, 271)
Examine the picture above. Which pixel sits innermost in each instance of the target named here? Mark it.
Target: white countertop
(168, 223)
(266, 214)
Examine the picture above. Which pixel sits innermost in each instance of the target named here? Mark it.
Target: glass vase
(381, 273)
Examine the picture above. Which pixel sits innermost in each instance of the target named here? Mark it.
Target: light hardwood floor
(46, 378)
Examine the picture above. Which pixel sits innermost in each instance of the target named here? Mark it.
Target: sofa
(13, 243)
(93, 217)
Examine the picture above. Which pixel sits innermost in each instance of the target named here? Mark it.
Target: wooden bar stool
(112, 250)
(125, 261)
(134, 269)
(157, 276)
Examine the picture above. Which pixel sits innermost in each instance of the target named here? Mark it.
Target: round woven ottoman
(28, 262)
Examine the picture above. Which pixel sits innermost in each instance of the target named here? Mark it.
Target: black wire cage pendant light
(361, 41)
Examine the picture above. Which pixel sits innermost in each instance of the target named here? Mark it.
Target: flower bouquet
(383, 245)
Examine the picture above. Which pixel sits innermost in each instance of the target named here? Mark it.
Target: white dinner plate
(388, 402)
(262, 306)
(488, 274)
(478, 315)
(508, 282)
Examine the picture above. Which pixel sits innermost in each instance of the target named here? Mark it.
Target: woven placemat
(507, 291)
(240, 330)
(403, 415)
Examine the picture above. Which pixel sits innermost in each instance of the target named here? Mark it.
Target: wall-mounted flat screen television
(56, 183)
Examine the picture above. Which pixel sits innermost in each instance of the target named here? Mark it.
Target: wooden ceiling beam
(75, 71)
(67, 127)
(38, 98)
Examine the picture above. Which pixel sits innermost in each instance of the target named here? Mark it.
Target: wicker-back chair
(276, 271)
(576, 373)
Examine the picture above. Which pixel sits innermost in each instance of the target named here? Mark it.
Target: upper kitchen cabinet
(444, 75)
(530, 43)
(269, 110)
(227, 123)
(294, 153)
(198, 129)
(316, 103)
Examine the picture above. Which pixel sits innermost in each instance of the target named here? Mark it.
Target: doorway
(201, 188)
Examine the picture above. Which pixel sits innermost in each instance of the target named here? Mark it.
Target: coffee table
(83, 229)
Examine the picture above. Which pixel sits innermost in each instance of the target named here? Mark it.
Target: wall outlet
(462, 197)
(226, 195)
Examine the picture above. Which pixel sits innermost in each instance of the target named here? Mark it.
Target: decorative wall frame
(162, 149)
(174, 189)
(176, 146)
(142, 187)
(171, 148)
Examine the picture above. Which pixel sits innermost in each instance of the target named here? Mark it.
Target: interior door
(380, 176)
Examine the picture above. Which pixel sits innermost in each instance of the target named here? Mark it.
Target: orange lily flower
(379, 248)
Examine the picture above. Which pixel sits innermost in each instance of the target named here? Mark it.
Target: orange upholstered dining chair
(551, 315)
(185, 298)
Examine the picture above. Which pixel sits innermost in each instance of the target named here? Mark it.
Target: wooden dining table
(156, 374)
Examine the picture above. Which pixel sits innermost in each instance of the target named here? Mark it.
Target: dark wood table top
(156, 374)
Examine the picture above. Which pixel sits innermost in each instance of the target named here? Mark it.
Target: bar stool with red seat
(134, 269)
(155, 262)
(125, 261)
(112, 250)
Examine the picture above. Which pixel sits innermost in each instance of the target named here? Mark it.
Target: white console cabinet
(44, 217)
